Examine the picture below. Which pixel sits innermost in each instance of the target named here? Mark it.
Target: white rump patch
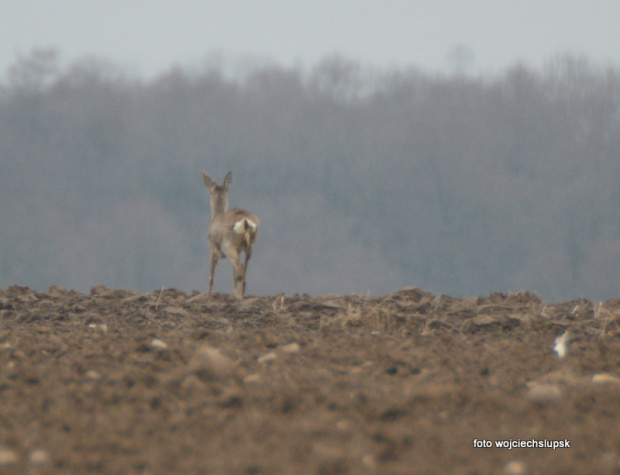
(240, 225)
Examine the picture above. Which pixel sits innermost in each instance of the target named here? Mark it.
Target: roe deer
(230, 233)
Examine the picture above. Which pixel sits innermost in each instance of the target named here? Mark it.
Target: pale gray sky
(147, 37)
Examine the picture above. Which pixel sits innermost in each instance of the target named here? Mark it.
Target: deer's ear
(227, 181)
(207, 179)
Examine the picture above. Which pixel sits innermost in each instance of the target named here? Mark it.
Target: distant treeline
(364, 180)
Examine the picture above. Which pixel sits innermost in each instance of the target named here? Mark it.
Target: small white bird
(561, 345)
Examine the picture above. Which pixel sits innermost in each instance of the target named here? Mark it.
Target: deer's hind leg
(213, 265)
(238, 272)
(248, 254)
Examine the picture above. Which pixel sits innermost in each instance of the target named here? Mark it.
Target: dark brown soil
(123, 382)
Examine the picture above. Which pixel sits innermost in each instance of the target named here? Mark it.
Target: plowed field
(117, 381)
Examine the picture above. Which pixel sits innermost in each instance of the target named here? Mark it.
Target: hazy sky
(147, 37)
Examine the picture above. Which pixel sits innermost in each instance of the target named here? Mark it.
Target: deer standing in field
(231, 232)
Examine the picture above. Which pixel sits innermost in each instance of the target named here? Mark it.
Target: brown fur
(225, 238)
